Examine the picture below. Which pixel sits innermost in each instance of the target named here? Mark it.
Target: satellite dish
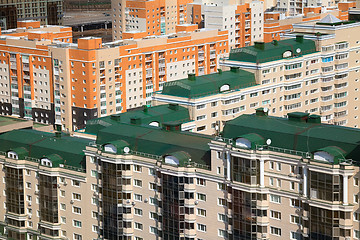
(268, 142)
(126, 149)
(266, 109)
(298, 50)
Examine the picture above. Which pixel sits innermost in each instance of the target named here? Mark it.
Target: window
(295, 203)
(201, 227)
(138, 226)
(213, 104)
(200, 182)
(275, 198)
(152, 186)
(356, 181)
(201, 212)
(153, 230)
(356, 216)
(356, 198)
(77, 236)
(294, 219)
(62, 206)
(275, 215)
(77, 223)
(222, 202)
(137, 183)
(201, 106)
(222, 217)
(75, 183)
(137, 197)
(76, 210)
(296, 236)
(76, 196)
(278, 166)
(201, 196)
(221, 186)
(138, 211)
(137, 168)
(275, 231)
(222, 233)
(153, 215)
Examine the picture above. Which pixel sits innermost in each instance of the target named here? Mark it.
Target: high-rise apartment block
(245, 23)
(47, 11)
(156, 17)
(314, 71)
(135, 176)
(47, 78)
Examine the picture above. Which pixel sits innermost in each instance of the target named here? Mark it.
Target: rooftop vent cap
(298, 116)
(299, 38)
(259, 45)
(145, 108)
(275, 42)
(174, 106)
(191, 77)
(235, 69)
(115, 117)
(135, 120)
(261, 112)
(314, 119)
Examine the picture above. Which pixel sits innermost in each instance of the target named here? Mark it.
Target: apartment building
(316, 72)
(47, 11)
(47, 78)
(244, 22)
(276, 24)
(156, 17)
(263, 178)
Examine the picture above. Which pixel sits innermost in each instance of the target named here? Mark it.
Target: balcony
(148, 73)
(162, 72)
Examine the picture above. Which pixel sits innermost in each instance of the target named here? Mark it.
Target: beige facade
(324, 83)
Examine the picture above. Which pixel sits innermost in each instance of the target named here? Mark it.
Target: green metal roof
(254, 138)
(209, 84)
(152, 140)
(296, 135)
(335, 151)
(9, 120)
(160, 114)
(37, 144)
(273, 51)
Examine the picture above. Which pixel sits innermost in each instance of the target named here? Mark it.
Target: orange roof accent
(28, 24)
